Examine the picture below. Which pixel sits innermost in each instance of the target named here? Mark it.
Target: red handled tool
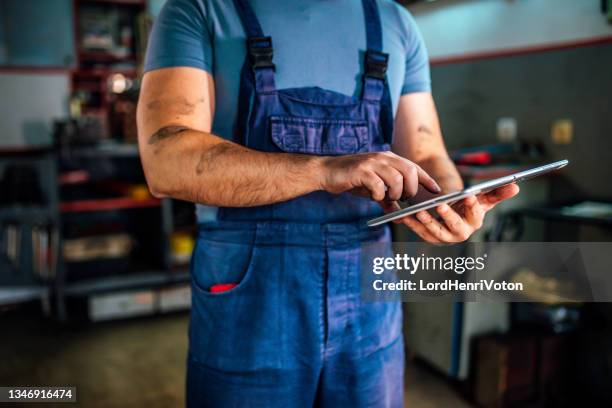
(221, 287)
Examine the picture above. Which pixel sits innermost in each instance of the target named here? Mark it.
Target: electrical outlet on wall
(562, 131)
(507, 129)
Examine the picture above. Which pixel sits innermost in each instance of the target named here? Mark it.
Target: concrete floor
(135, 363)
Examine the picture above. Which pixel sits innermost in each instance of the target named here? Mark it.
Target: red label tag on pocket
(221, 287)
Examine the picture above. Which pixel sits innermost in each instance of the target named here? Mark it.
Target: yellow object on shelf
(139, 192)
(181, 246)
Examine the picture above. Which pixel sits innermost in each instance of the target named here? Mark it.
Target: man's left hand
(458, 221)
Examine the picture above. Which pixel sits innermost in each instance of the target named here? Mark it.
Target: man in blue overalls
(304, 96)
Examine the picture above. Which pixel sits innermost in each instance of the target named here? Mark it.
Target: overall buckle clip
(260, 52)
(376, 63)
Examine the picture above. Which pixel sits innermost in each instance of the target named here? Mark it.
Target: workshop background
(94, 276)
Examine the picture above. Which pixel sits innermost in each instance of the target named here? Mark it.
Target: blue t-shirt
(316, 43)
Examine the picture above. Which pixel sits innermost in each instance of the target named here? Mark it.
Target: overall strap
(375, 64)
(257, 72)
(259, 49)
(373, 27)
(248, 18)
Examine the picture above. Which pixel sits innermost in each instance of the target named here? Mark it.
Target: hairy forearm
(196, 166)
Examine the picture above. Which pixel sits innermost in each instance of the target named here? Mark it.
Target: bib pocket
(293, 134)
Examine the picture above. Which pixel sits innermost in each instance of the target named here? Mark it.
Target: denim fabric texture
(294, 331)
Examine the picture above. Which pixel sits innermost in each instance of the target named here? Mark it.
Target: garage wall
(28, 104)
(36, 34)
(455, 27)
(535, 88)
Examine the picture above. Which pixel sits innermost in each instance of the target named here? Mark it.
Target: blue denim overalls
(294, 331)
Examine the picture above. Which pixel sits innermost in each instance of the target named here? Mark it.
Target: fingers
(375, 185)
(375, 171)
(434, 227)
(409, 178)
(453, 221)
(453, 228)
(394, 180)
(413, 176)
(427, 181)
(419, 229)
(473, 212)
(493, 197)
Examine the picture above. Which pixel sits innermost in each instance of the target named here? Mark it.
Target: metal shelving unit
(22, 294)
(155, 216)
(154, 277)
(147, 279)
(18, 279)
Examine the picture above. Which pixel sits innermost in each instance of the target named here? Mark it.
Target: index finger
(427, 181)
(409, 170)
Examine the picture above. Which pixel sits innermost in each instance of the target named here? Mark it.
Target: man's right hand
(380, 175)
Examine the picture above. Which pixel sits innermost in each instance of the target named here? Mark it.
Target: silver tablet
(473, 190)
